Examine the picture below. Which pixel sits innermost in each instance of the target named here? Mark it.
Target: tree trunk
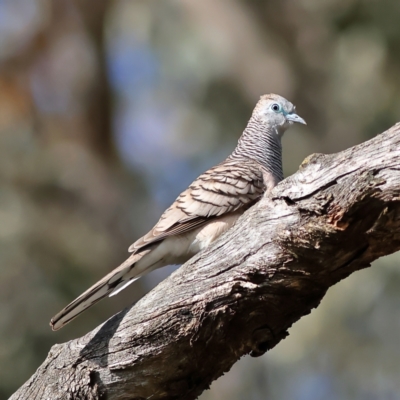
(335, 216)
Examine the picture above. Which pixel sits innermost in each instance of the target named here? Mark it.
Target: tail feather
(98, 291)
(122, 285)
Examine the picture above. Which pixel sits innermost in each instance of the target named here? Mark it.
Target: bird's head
(276, 112)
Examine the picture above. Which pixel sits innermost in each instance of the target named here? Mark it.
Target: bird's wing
(224, 188)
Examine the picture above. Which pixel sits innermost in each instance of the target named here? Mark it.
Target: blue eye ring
(276, 107)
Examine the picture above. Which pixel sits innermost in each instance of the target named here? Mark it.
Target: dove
(207, 208)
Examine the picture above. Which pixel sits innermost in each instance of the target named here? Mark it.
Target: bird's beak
(295, 118)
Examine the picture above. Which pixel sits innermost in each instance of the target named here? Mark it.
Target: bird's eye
(276, 107)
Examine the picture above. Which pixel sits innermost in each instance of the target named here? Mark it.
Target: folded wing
(223, 189)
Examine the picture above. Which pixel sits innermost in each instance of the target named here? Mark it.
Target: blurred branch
(335, 216)
(94, 14)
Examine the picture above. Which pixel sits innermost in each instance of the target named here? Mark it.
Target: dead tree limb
(335, 216)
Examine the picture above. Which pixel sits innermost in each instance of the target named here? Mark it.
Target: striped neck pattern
(262, 143)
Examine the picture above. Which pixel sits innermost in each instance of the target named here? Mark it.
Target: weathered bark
(335, 216)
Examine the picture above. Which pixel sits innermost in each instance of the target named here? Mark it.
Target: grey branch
(335, 216)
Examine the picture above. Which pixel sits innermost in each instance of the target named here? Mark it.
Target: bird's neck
(261, 143)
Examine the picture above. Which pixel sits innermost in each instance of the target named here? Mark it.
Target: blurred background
(108, 109)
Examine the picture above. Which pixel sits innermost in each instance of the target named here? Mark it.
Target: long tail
(115, 281)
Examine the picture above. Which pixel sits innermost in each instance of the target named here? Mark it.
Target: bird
(207, 208)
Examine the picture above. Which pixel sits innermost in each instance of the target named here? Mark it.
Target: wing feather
(224, 188)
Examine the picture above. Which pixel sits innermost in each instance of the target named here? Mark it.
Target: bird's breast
(206, 234)
(180, 248)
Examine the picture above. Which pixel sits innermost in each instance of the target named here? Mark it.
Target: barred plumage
(207, 208)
